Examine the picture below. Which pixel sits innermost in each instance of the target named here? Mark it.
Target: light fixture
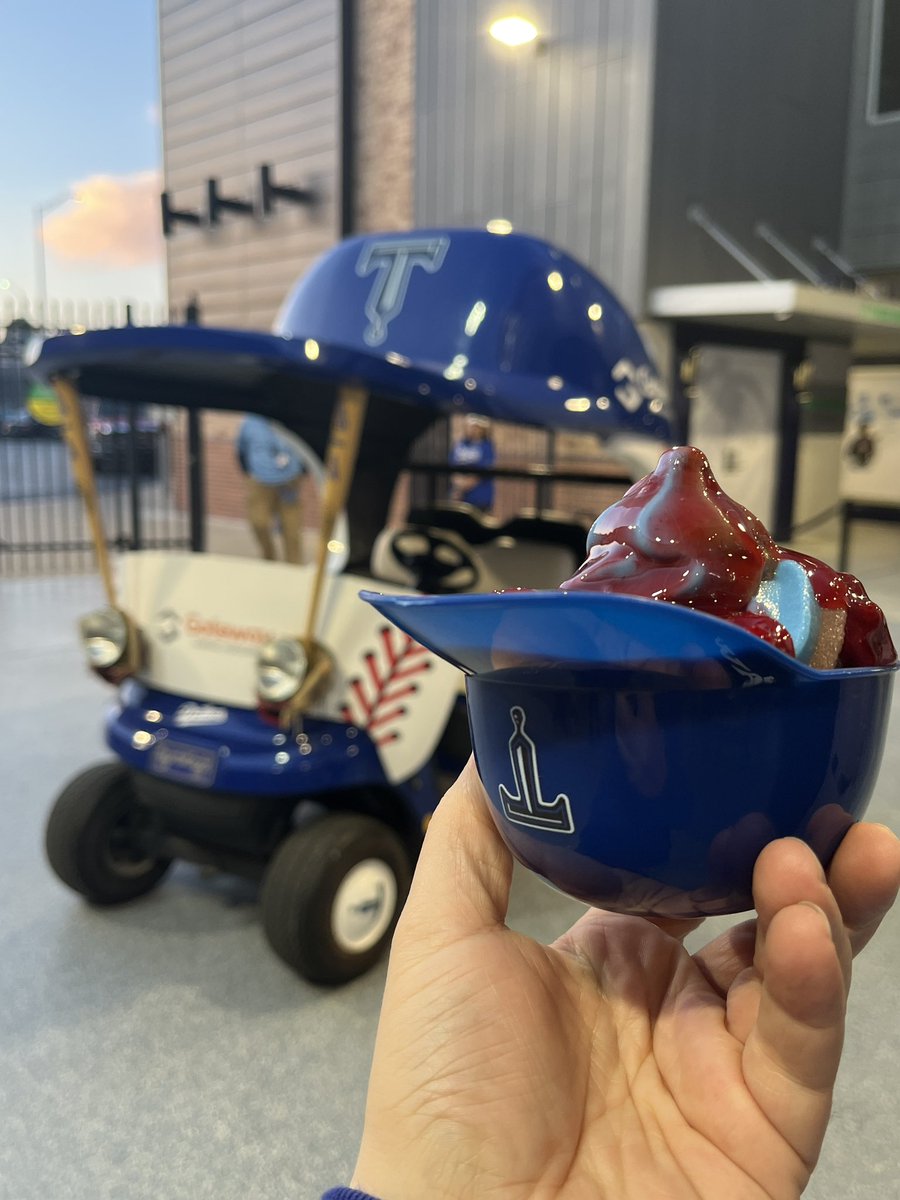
(499, 225)
(280, 669)
(555, 281)
(513, 31)
(595, 312)
(311, 349)
(104, 635)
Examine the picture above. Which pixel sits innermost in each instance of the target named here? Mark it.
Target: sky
(79, 98)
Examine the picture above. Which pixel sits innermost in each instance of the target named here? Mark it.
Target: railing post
(195, 482)
(134, 482)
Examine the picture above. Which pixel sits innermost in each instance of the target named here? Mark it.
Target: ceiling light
(513, 31)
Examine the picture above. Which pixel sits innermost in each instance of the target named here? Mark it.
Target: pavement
(160, 1051)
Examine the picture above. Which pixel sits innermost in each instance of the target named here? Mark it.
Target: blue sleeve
(345, 1193)
(488, 454)
(263, 448)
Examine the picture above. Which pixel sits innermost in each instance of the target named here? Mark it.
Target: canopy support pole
(83, 471)
(343, 448)
(340, 460)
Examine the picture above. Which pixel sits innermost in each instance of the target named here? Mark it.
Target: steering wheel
(435, 561)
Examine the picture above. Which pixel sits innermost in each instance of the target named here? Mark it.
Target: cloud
(113, 221)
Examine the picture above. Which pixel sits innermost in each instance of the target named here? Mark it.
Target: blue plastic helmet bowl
(639, 756)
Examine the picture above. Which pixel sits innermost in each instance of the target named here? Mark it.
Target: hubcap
(124, 854)
(364, 906)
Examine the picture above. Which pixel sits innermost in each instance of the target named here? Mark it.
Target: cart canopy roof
(430, 322)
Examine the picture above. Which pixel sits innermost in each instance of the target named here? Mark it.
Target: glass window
(884, 82)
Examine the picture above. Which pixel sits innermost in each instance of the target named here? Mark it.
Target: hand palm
(610, 1063)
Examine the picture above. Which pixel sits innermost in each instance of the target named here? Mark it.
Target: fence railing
(135, 451)
(58, 316)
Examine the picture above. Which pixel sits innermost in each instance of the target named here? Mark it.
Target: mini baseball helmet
(638, 755)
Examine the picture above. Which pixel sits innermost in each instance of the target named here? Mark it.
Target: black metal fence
(138, 454)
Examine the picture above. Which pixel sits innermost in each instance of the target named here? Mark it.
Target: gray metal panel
(245, 83)
(555, 139)
(871, 229)
(750, 120)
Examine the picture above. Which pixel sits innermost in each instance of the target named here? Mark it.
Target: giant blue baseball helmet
(504, 325)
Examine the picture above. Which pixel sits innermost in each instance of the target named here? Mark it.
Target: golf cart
(269, 722)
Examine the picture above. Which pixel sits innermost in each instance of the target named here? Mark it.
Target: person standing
(474, 449)
(273, 469)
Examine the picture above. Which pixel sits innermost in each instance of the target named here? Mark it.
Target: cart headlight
(280, 669)
(105, 637)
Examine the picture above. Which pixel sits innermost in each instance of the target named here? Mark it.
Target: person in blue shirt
(474, 449)
(273, 469)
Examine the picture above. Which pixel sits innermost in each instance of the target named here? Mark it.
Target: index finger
(462, 881)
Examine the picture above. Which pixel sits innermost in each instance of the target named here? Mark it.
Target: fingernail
(820, 911)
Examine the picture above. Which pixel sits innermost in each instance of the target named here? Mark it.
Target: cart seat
(465, 519)
(528, 552)
(552, 528)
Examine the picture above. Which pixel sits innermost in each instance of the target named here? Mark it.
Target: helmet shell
(505, 325)
(639, 755)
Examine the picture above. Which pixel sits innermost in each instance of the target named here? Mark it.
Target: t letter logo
(395, 260)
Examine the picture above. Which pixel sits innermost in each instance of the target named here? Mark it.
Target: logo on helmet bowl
(395, 259)
(527, 806)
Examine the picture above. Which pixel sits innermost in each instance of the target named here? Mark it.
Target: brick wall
(520, 446)
(384, 114)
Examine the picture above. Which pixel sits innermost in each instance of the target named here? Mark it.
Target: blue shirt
(479, 453)
(264, 455)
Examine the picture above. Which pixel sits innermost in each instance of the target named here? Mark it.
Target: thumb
(462, 881)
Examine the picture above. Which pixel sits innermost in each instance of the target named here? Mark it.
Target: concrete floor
(162, 1051)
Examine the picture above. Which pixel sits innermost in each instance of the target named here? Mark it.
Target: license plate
(184, 764)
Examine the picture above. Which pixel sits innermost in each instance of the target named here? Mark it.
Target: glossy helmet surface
(505, 325)
(639, 755)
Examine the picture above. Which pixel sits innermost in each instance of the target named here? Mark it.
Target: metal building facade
(871, 234)
(554, 137)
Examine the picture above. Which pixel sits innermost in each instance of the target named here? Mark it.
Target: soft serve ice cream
(675, 536)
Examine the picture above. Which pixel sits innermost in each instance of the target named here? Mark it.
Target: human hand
(612, 1064)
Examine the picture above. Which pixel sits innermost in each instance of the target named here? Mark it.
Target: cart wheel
(94, 837)
(332, 895)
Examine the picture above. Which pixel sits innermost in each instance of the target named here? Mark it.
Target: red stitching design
(372, 702)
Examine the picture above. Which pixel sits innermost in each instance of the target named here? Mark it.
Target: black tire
(92, 837)
(324, 933)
